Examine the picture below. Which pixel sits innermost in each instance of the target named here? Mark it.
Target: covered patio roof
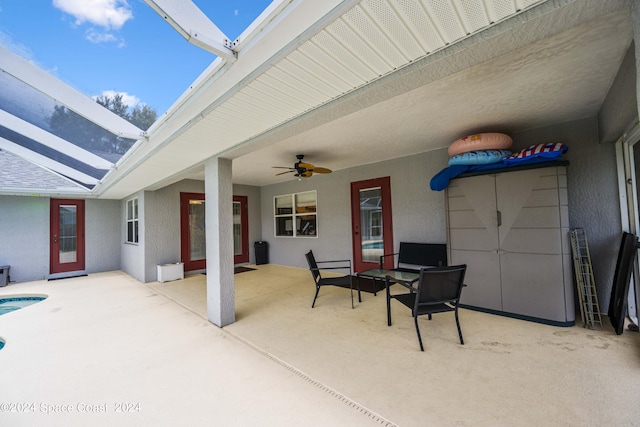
(339, 80)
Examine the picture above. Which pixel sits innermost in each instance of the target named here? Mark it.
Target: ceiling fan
(302, 170)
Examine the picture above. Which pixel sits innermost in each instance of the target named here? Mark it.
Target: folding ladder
(589, 308)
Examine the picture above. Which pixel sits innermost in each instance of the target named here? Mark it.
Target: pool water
(7, 305)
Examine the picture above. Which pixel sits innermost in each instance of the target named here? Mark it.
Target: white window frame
(294, 217)
(132, 218)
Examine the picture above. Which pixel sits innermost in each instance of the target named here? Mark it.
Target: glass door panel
(198, 244)
(237, 229)
(371, 235)
(67, 251)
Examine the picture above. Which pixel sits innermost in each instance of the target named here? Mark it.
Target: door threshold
(67, 275)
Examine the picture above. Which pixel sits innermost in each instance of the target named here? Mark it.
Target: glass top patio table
(405, 278)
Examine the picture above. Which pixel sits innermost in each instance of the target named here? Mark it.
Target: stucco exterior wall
(162, 225)
(418, 212)
(159, 227)
(102, 234)
(24, 236)
(593, 192)
(619, 110)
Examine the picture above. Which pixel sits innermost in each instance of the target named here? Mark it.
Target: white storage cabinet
(511, 228)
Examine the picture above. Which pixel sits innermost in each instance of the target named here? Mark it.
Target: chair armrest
(337, 260)
(386, 255)
(346, 270)
(347, 265)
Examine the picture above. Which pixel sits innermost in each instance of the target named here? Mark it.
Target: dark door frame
(185, 241)
(387, 221)
(55, 266)
(185, 248)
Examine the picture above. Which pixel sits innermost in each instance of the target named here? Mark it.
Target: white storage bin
(168, 272)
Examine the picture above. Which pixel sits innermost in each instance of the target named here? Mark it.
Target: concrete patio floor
(108, 350)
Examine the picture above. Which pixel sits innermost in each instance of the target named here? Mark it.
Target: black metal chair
(341, 281)
(438, 291)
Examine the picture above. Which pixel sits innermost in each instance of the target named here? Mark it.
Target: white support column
(219, 232)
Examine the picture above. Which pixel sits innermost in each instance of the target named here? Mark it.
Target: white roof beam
(33, 76)
(46, 162)
(18, 125)
(192, 24)
(261, 22)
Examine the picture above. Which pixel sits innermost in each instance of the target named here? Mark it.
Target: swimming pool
(13, 303)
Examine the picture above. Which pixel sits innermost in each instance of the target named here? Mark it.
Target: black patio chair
(438, 291)
(341, 281)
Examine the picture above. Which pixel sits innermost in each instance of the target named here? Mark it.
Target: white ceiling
(345, 92)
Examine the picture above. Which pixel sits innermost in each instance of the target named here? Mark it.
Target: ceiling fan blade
(321, 170)
(306, 174)
(282, 167)
(304, 165)
(282, 173)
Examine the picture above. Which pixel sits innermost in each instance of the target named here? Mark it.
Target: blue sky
(117, 46)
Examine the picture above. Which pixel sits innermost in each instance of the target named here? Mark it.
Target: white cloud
(24, 51)
(110, 14)
(130, 100)
(18, 48)
(97, 37)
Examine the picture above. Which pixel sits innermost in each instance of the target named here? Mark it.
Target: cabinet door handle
(499, 216)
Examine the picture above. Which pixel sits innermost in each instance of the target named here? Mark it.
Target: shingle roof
(19, 174)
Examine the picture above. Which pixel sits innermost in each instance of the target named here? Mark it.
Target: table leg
(386, 285)
(358, 282)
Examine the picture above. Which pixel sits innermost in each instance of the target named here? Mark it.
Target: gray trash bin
(4, 275)
(262, 252)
